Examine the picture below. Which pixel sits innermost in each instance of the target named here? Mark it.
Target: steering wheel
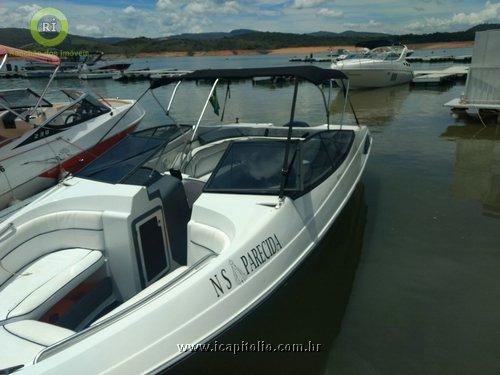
(71, 119)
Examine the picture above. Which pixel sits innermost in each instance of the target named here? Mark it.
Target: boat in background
(381, 67)
(41, 141)
(92, 65)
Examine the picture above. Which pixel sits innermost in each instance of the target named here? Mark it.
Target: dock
(311, 59)
(438, 59)
(482, 90)
(437, 77)
(11, 74)
(144, 75)
(107, 74)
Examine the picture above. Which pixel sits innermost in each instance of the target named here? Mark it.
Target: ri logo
(49, 27)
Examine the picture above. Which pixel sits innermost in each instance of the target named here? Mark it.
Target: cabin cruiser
(172, 236)
(381, 67)
(41, 140)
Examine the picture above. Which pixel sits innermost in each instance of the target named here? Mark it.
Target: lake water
(425, 296)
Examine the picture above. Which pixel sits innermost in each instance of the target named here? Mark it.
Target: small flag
(215, 103)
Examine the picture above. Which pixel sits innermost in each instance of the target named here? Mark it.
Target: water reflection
(477, 165)
(377, 106)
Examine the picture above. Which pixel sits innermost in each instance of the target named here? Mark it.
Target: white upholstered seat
(33, 290)
(204, 239)
(21, 341)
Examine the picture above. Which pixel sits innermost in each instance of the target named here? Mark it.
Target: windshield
(254, 167)
(21, 98)
(131, 156)
(84, 110)
(384, 53)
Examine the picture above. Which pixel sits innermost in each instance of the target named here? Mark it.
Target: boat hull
(374, 78)
(306, 309)
(212, 298)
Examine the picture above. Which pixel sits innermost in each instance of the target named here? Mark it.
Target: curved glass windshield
(84, 110)
(254, 167)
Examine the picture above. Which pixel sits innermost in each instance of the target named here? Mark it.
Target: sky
(159, 18)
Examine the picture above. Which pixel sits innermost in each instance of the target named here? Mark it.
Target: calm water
(426, 296)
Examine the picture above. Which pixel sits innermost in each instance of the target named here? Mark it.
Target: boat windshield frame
(83, 96)
(43, 103)
(383, 53)
(312, 74)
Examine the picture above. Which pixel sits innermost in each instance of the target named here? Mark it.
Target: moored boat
(381, 67)
(40, 140)
(172, 237)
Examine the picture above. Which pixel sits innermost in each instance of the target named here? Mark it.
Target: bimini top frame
(309, 73)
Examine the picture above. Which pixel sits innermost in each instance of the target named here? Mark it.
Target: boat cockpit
(23, 110)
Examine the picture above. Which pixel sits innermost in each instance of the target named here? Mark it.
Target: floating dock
(98, 75)
(437, 77)
(438, 59)
(143, 75)
(482, 90)
(310, 59)
(11, 74)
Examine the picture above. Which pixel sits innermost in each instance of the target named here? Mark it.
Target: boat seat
(205, 159)
(22, 341)
(33, 290)
(204, 239)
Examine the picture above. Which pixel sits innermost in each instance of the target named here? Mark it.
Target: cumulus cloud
(208, 6)
(490, 13)
(89, 30)
(304, 4)
(17, 16)
(130, 10)
(331, 13)
(167, 17)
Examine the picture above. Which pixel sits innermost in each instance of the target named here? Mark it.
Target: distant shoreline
(299, 51)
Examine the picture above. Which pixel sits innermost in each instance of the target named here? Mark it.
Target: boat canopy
(308, 73)
(28, 55)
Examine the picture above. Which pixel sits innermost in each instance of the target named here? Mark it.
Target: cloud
(130, 10)
(17, 16)
(160, 18)
(89, 30)
(490, 13)
(304, 4)
(331, 13)
(209, 6)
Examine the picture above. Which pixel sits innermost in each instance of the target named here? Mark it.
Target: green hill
(235, 40)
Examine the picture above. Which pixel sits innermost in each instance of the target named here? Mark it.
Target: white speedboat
(381, 67)
(172, 237)
(40, 140)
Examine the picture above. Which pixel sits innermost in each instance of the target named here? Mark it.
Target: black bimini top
(308, 73)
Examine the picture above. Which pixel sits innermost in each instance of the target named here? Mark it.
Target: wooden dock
(437, 77)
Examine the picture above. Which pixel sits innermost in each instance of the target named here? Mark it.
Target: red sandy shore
(300, 50)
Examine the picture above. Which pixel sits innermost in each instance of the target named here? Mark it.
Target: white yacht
(381, 67)
(172, 237)
(41, 140)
